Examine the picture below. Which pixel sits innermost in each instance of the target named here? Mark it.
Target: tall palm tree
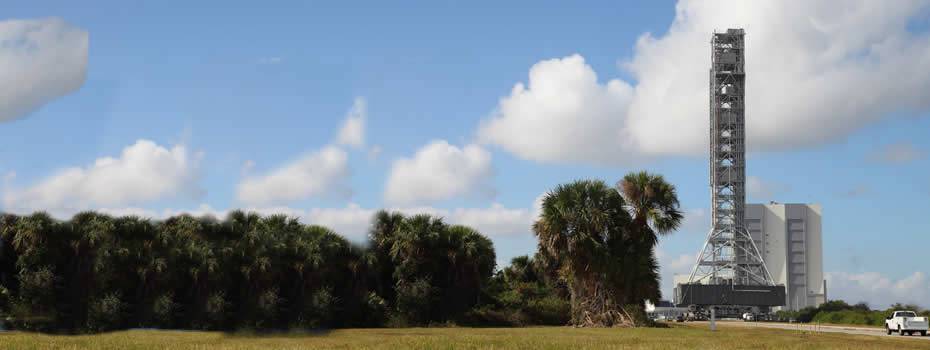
(653, 204)
(384, 228)
(471, 262)
(90, 241)
(414, 243)
(584, 227)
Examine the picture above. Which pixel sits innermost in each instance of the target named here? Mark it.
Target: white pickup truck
(906, 322)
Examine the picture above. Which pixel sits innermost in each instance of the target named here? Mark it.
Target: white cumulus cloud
(352, 132)
(316, 174)
(40, 60)
(320, 173)
(563, 114)
(815, 73)
(353, 221)
(439, 171)
(496, 220)
(143, 172)
(878, 290)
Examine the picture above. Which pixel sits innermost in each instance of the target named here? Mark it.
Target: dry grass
(677, 337)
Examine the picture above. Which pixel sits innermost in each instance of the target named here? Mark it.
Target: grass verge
(675, 337)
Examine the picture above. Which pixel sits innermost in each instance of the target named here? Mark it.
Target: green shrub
(215, 310)
(487, 316)
(33, 309)
(323, 305)
(105, 313)
(414, 300)
(549, 310)
(852, 316)
(376, 309)
(267, 307)
(163, 310)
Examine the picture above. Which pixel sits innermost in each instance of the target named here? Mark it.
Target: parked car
(906, 322)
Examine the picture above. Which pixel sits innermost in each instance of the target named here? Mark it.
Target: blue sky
(233, 97)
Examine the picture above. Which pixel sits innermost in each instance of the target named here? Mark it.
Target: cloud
(671, 265)
(696, 221)
(352, 221)
(352, 132)
(40, 60)
(494, 221)
(682, 264)
(439, 171)
(143, 172)
(759, 189)
(844, 58)
(877, 289)
(897, 153)
(562, 114)
(316, 174)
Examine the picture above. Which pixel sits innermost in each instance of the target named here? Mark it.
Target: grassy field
(677, 337)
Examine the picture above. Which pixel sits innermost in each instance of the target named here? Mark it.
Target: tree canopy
(602, 239)
(594, 265)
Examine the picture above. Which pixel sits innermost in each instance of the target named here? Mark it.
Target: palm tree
(414, 243)
(471, 261)
(37, 240)
(8, 254)
(584, 227)
(520, 270)
(91, 241)
(384, 228)
(653, 204)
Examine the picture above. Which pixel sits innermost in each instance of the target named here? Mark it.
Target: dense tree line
(96, 272)
(841, 312)
(595, 263)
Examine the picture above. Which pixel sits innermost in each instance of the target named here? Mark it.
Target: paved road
(818, 328)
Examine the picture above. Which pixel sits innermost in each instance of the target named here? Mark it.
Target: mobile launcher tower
(729, 275)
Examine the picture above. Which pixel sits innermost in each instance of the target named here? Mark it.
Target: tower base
(688, 294)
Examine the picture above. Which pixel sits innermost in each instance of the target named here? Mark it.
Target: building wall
(790, 240)
(817, 292)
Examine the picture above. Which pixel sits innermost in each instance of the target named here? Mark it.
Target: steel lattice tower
(729, 255)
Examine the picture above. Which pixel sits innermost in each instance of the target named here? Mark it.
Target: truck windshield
(907, 314)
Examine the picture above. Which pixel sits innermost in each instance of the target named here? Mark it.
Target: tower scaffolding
(729, 269)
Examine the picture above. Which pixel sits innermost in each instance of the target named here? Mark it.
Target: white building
(790, 240)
